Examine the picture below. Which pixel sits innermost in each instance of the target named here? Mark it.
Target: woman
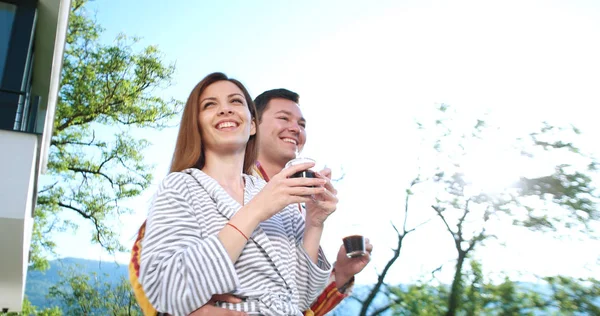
(213, 229)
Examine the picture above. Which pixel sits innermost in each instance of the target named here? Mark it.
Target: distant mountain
(38, 283)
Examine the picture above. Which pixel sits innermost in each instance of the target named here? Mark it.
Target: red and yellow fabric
(134, 273)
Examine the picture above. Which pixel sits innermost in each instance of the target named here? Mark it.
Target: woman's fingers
(305, 191)
(305, 182)
(289, 171)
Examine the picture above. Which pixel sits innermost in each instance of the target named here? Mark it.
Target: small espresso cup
(355, 246)
(303, 173)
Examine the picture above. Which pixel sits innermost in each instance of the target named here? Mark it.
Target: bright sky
(364, 71)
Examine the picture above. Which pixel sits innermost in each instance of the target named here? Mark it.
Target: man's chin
(287, 157)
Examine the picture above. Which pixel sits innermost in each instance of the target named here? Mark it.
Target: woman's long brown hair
(189, 152)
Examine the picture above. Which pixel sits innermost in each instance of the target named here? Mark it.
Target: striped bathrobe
(183, 263)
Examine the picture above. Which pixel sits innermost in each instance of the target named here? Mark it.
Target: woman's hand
(282, 191)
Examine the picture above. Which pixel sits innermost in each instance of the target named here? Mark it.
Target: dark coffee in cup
(304, 174)
(355, 246)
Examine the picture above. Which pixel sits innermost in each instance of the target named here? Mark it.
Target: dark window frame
(15, 85)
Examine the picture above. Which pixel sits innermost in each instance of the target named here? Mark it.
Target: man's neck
(271, 168)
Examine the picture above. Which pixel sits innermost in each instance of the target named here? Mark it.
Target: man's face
(281, 131)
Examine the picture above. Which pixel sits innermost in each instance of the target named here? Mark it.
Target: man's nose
(294, 128)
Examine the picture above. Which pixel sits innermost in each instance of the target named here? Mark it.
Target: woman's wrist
(245, 220)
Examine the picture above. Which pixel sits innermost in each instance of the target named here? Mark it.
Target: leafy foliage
(87, 294)
(94, 160)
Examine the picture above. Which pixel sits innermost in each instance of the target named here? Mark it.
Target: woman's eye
(208, 104)
(238, 101)
(283, 118)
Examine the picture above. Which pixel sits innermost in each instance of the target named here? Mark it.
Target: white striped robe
(183, 263)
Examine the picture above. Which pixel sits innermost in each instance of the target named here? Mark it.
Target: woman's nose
(226, 108)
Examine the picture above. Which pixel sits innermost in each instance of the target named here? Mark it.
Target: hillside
(38, 282)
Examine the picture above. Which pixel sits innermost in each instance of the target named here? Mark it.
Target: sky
(365, 73)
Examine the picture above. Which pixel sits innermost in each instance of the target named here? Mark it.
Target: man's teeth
(289, 140)
(226, 124)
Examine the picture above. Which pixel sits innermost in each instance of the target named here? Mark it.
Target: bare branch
(381, 278)
(439, 211)
(48, 187)
(67, 142)
(96, 172)
(86, 216)
(381, 310)
(419, 225)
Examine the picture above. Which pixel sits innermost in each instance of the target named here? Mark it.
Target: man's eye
(283, 118)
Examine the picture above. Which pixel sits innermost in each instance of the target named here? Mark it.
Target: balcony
(32, 40)
(25, 107)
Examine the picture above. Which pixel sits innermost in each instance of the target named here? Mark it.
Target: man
(282, 133)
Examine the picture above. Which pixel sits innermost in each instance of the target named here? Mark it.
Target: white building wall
(17, 173)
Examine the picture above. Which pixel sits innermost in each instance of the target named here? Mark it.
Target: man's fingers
(327, 196)
(328, 184)
(368, 245)
(326, 173)
(226, 298)
(366, 258)
(329, 187)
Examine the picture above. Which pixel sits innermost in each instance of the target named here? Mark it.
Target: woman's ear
(253, 127)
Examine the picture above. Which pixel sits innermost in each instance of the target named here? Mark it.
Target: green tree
(572, 296)
(107, 90)
(482, 297)
(81, 294)
(419, 299)
(30, 310)
(564, 200)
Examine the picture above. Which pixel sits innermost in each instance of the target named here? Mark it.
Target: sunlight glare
(491, 168)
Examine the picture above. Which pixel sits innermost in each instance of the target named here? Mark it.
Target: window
(7, 17)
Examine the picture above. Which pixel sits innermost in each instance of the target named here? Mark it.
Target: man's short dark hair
(264, 98)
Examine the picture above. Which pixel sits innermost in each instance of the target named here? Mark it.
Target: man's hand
(346, 268)
(209, 309)
(324, 204)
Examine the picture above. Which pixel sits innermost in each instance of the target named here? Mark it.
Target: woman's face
(224, 118)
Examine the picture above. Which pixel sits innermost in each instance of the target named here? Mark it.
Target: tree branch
(439, 211)
(380, 279)
(96, 172)
(86, 216)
